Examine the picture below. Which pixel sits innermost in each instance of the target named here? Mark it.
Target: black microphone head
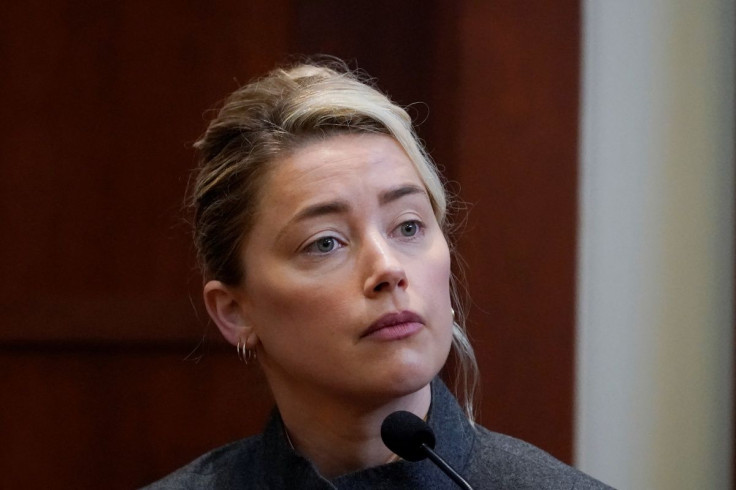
(404, 433)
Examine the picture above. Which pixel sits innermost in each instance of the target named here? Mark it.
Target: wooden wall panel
(119, 417)
(517, 164)
(104, 103)
(101, 103)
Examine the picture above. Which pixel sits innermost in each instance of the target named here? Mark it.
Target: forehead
(338, 165)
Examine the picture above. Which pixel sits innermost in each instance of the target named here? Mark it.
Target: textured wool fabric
(487, 460)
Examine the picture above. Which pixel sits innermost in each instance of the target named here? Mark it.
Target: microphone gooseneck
(412, 439)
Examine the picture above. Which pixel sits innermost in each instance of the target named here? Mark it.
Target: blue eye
(409, 228)
(323, 245)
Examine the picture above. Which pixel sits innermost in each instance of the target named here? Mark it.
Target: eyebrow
(320, 209)
(399, 192)
(341, 207)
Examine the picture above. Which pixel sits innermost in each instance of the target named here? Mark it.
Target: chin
(406, 379)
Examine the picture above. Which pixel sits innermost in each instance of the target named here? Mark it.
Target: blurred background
(552, 120)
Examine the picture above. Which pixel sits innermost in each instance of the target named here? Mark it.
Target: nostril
(385, 278)
(389, 285)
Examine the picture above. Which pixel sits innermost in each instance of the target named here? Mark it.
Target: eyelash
(312, 247)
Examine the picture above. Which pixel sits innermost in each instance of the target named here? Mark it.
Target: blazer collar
(455, 436)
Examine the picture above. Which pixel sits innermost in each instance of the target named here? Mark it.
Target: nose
(385, 272)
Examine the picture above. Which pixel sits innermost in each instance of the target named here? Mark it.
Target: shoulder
(513, 463)
(215, 468)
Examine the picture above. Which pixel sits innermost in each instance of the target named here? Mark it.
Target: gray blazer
(487, 460)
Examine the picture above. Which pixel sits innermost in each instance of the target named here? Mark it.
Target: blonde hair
(275, 115)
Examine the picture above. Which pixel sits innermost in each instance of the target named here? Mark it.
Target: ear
(226, 310)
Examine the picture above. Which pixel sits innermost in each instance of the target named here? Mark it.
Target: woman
(321, 228)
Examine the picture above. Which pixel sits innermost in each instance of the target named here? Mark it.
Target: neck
(341, 436)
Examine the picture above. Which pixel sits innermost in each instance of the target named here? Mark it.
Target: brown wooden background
(109, 373)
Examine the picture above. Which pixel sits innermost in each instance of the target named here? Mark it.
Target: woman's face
(347, 272)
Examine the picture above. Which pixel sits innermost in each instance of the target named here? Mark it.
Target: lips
(393, 326)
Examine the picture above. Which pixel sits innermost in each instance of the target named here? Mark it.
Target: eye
(410, 228)
(323, 245)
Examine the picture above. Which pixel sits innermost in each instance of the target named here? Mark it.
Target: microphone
(413, 440)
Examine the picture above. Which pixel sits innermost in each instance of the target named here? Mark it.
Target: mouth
(394, 326)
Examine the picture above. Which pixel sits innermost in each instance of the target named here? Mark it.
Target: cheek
(432, 284)
(274, 304)
(438, 273)
(284, 304)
